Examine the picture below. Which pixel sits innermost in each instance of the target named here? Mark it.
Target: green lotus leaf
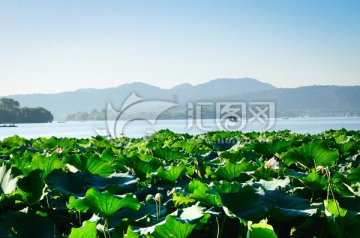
(68, 143)
(348, 148)
(224, 144)
(188, 145)
(146, 210)
(346, 145)
(354, 175)
(274, 183)
(93, 164)
(31, 188)
(139, 167)
(226, 187)
(87, 230)
(174, 227)
(350, 203)
(311, 228)
(270, 148)
(172, 173)
(245, 204)
(315, 182)
(232, 170)
(123, 181)
(201, 192)
(180, 198)
(77, 183)
(311, 155)
(68, 183)
(14, 142)
(109, 154)
(47, 143)
(22, 162)
(341, 222)
(343, 138)
(267, 174)
(170, 227)
(130, 233)
(260, 230)
(285, 207)
(105, 204)
(168, 154)
(81, 204)
(46, 164)
(232, 155)
(23, 225)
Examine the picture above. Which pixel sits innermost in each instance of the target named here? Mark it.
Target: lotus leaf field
(217, 184)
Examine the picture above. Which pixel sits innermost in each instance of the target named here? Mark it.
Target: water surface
(140, 128)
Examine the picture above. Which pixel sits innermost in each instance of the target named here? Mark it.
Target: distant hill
(302, 101)
(308, 100)
(63, 104)
(219, 88)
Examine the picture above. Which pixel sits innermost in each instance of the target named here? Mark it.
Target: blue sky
(54, 46)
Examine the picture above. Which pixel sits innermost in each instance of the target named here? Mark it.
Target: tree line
(11, 112)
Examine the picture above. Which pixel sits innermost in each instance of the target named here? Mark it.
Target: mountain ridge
(290, 101)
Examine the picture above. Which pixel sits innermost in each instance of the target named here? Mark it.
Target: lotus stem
(80, 223)
(159, 207)
(222, 226)
(47, 200)
(218, 227)
(157, 215)
(104, 229)
(336, 202)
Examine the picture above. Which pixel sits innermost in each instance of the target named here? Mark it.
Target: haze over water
(139, 128)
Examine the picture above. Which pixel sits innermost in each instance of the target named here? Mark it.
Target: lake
(140, 128)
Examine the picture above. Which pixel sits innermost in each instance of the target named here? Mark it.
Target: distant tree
(79, 116)
(11, 112)
(8, 116)
(35, 115)
(96, 116)
(44, 115)
(9, 103)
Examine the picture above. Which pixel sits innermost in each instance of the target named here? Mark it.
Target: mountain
(219, 88)
(63, 104)
(308, 100)
(301, 101)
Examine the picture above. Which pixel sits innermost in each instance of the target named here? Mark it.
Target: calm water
(140, 128)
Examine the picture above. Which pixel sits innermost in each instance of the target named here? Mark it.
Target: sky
(64, 45)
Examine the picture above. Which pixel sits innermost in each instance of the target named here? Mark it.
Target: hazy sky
(61, 45)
